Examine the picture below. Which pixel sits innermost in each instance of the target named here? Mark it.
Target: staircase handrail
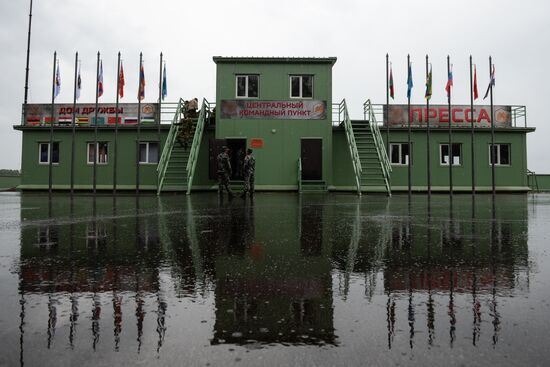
(197, 139)
(346, 121)
(168, 144)
(534, 182)
(379, 143)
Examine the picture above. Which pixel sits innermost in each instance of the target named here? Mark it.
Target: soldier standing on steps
(249, 166)
(224, 171)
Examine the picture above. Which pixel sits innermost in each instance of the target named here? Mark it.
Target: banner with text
(279, 110)
(439, 116)
(85, 113)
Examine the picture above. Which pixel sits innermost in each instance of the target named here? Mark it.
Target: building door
(214, 148)
(237, 151)
(312, 159)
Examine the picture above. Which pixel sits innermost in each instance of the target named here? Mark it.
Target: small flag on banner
(392, 91)
(428, 93)
(164, 86)
(141, 90)
(491, 82)
(78, 84)
(476, 95)
(409, 81)
(82, 120)
(57, 83)
(449, 85)
(130, 120)
(100, 79)
(121, 81)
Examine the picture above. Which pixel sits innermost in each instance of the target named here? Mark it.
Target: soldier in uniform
(249, 166)
(224, 171)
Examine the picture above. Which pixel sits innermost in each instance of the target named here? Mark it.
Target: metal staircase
(177, 164)
(343, 119)
(376, 167)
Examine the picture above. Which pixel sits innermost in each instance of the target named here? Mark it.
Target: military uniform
(249, 167)
(224, 173)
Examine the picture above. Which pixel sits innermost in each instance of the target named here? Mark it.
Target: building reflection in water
(270, 266)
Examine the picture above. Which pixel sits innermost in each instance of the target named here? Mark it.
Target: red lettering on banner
(467, 113)
(455, 117)
(432, 113)
(483, 115)
(417, 111)
(443, 114)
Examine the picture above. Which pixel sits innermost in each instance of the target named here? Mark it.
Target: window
(399, 153)
(456, 154)
(301, 86)
(148, 152)
(501, 154)
(247, 86)
(103, 152)
(44, 152)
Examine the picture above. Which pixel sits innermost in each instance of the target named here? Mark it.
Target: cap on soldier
(224, 147)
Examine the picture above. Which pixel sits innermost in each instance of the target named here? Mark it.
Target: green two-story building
(283, 109)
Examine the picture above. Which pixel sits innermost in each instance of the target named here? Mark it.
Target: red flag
(121, 81)
(141, 90)
(476, 95)
(391, 84)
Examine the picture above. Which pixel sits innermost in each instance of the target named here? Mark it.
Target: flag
(141, 90)
(409, 81)
(57, 82)
(78, 84)
(392, 91)
(428, 94)
(164, 86)
(476, 95)
(121, 81)
(491, 82)
(100, 79)
(449, 85)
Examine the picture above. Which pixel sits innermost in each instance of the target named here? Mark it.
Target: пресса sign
(439, 116)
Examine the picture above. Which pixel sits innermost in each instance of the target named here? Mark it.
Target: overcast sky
(357, 32)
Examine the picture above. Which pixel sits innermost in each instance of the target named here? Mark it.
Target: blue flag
(409, 81)
(164, 86)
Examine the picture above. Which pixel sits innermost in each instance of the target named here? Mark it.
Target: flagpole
(96, 148)
(73, 120)
(50, 147)
(492, 126)
(387, 105)
(409, 173)
(160, 95)
(116, 124)
(450, 151)
(138, 122)
(24, 115)
(473, 129)
(428, 131)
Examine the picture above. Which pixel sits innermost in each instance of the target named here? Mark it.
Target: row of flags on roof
(121, 82)
(448, 85)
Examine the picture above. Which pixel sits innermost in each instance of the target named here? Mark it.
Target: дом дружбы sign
(86, 112)
(439, 116)
(280, 110)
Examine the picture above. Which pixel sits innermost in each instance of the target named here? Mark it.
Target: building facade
(283, 109)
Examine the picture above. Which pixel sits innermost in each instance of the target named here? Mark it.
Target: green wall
(8, 182)
(35, 175)
(541, 182)
(511, 178)
(276, 162)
